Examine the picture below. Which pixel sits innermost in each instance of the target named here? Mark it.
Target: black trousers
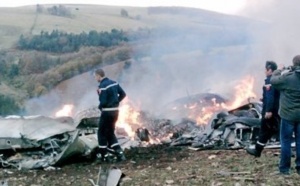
(268, 128)
(106, 131)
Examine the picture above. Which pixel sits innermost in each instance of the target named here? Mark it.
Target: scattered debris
(107, 177)
(212, 157)
(3, 183)
(143, 134)
(43, 142)
(169, 182)
(226, 173)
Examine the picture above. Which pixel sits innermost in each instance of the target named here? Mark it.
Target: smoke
(280, 39)
(209, 54)
(270, 32)
(79, 91)
(195, 60)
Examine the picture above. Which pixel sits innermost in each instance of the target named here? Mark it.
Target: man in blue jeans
(289, 86)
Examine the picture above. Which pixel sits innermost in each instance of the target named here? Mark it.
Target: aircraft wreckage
(41, 142)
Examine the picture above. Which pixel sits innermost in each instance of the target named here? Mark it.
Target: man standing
(289, 86)
(270, 118)
(110, 95)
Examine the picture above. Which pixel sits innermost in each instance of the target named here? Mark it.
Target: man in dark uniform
(110, 95)
(270, 118)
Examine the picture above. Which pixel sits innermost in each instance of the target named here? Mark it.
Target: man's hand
(268, 115)
(281, 66)
(98, 91)
(268, 87)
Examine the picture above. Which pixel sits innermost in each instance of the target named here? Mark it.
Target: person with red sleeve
(270, 118)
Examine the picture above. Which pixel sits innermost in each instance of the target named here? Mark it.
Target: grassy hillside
(160, 38)
(26, 20)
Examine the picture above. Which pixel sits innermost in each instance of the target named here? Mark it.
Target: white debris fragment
(7, 171)
(212, 157)
(169, 182)
(50, 168)
(169, 168)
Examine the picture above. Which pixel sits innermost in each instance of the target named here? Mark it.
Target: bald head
(296, 60)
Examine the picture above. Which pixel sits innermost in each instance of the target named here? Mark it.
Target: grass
(171, 166)
(20, 20)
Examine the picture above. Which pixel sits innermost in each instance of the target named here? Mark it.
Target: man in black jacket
(289, 86)
(270, 118)
(110, 95)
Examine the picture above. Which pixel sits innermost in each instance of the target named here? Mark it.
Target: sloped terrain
(162, 37)
(84, 18)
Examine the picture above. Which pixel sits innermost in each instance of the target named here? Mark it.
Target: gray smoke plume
(210, 54)
(280, 39)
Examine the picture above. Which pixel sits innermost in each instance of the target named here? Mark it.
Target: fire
(65, 111)
(128, 117)
(200, 111)
(243, 91)
(205, 113)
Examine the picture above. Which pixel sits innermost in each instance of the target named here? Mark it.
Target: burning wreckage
(42, 142)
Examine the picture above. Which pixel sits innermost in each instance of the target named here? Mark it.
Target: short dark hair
(100, 72)
(296, 60)
(271, 65)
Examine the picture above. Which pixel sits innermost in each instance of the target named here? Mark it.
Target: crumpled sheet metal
(43, 142)
(49, 141)
(108, 177)
(49, 156)
(36, 128)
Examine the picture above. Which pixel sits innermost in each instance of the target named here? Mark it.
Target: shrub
(8, 105)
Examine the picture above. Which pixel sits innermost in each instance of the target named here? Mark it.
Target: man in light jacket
(289, 86)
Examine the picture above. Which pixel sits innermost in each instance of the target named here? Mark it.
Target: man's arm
(103, 99)
(277, 80)
(121, 93)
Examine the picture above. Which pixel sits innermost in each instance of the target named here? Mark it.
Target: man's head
(270, 67)
(296, 61)
(99, 74)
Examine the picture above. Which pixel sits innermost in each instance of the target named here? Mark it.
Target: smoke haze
(200, 59)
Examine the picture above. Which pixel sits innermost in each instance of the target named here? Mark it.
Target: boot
(119, 153)
(256, 151)
(102, 156)
(120, 156)
(106, 158)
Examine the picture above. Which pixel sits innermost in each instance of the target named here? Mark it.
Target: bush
(8, 106)
(124, 13)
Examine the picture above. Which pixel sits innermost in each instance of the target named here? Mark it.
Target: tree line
(8, 105)
(61, 42)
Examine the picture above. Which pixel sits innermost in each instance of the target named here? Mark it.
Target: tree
(8, 105)
(14, 70)
(39, 8)
(124, 13)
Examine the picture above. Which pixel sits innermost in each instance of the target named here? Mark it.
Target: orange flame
(65, 111)
(243, 91)
(204, 114)
(128, 117)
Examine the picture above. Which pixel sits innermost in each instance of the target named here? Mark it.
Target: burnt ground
(164, 165)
